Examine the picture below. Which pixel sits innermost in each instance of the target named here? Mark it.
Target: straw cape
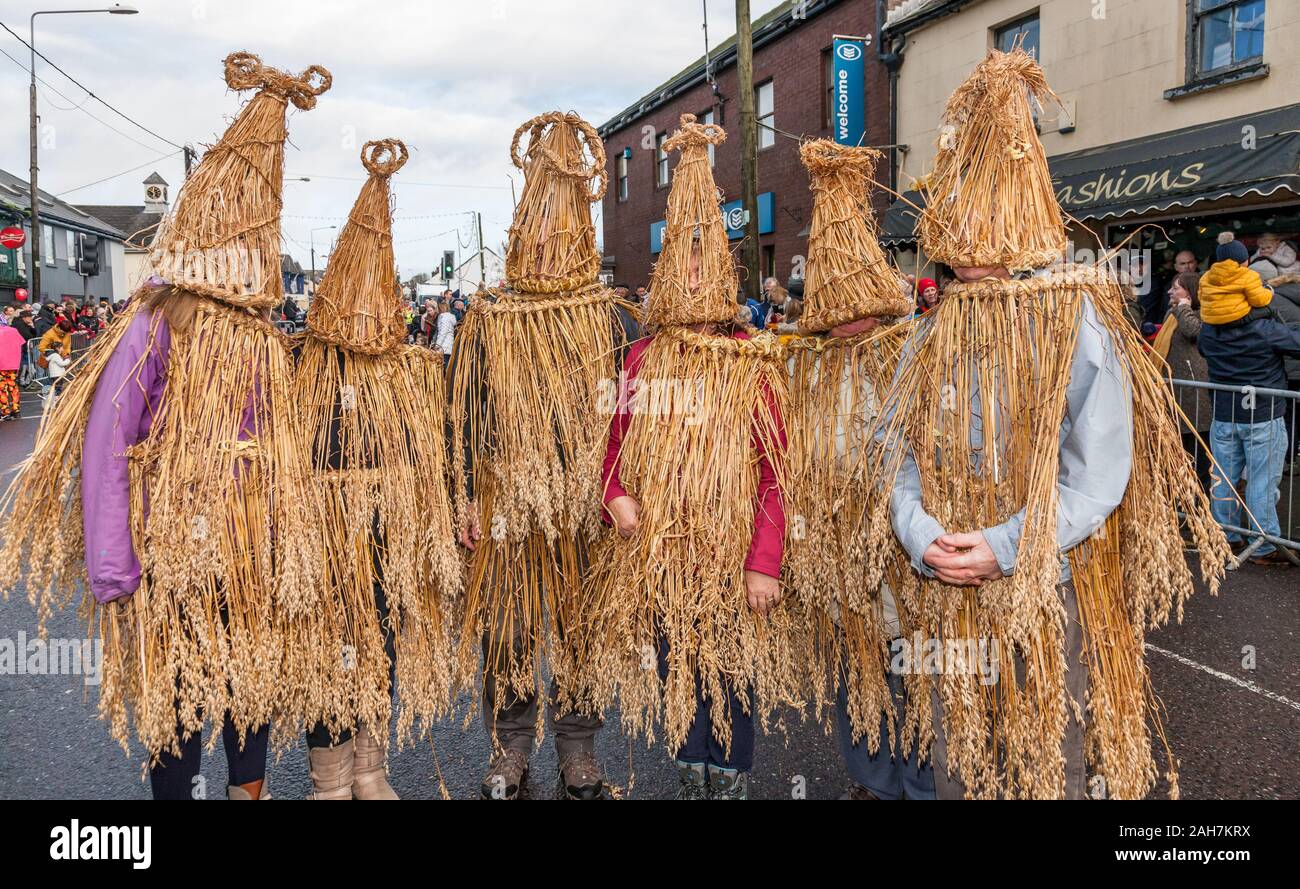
(373, 413)
(530, 402)
(1008, 344)
(703, 405)
(834, 383)
(219, 480)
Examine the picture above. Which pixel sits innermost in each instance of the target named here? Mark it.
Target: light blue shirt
(1096, 457)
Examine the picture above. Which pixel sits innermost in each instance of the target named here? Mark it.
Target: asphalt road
(1234, 726)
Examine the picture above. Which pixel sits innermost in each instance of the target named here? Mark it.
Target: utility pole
(748, 147)
(190, 155)
(32, 187)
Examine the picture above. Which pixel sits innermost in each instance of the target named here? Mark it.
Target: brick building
(792, 79)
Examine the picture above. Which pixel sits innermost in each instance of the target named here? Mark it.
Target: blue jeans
(1258, 450)
(702, 745)
(885, 776)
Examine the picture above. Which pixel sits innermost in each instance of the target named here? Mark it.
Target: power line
(88, 91)
(407, 182)
(123, 173)
(78, 107)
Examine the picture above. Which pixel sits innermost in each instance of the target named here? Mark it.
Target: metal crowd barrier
(1260, 435)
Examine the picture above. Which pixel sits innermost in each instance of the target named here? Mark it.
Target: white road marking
(1226, 677)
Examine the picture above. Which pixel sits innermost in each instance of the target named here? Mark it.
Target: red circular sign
(12, 237)
(21, 294)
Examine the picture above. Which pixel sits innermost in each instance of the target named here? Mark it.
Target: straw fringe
(689, 460)
(223, 478)
(374, 427)
(1015, 341)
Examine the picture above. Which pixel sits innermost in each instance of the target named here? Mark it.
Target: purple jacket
(127, 399)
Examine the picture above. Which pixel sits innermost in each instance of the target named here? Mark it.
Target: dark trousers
(319, 736)
(173, 777)
(701, 746)
(886, 776)
(1200, 452)
(511, 719)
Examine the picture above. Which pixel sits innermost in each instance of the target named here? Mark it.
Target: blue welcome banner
(849, 67)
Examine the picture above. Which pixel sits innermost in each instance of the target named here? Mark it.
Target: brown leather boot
(331, 771)
(369, 772)
(580, 776)
(234, 792)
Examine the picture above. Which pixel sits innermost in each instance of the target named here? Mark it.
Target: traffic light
(448, 264)
(88, 255)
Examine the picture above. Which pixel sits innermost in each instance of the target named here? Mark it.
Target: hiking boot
(728, 783)
(857, 791)
(580, 776)
(369, 768)
(506, 775)
(695, 784)
(330, 769)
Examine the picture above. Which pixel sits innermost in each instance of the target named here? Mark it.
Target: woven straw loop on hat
(583, 172)
(245, 71)
(825, 158)
(689, 132)
(384, 157)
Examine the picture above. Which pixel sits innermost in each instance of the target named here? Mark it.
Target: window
(47, 244)
(661, 161)
(764, 100)
(707, 119)
(72, 250)
(828, 89)
(768, 263)
(1022, 31)
(621, 172)
(1227, 33)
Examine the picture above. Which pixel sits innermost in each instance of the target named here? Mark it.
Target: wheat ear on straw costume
(373, 412)
(532, 381)
(698, 444)
(1026, 409)
(174, 448)
(834, 386)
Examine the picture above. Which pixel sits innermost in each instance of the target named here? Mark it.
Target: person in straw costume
(688, 580)
(373, 413)
(168, 480)
(1037, 476)
(530, 373)
(845, 356)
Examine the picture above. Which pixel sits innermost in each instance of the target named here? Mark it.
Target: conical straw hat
(358, 305)
(848, 276)
(223, 238)
(989, 201)
(694, 237)
(552, 242)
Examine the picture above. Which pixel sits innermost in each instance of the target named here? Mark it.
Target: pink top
(765, 548)
(11, 348)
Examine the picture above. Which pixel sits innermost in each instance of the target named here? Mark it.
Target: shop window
(707, 119)
(72, 249)
(1225, 33)
(661, 161)
(47, 244)
(621, 173)
(769, 261)
(828, 89)
(1022, 32)
(765, 101)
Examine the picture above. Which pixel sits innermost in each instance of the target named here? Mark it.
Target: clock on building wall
(154, 193)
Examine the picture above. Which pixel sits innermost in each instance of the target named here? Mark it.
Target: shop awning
(1252, 154)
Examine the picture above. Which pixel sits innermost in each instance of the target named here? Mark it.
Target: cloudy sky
(451, 79)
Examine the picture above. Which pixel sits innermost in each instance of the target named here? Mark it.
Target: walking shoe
(369, 769)
(506, 775)
(236, 792)
(728, 783)
(1276, 557)
(330, 769)
(695, 784)
(857, 791)
(580, 776)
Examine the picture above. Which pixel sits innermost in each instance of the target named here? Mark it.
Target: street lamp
(312, 238)
(117, 9)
